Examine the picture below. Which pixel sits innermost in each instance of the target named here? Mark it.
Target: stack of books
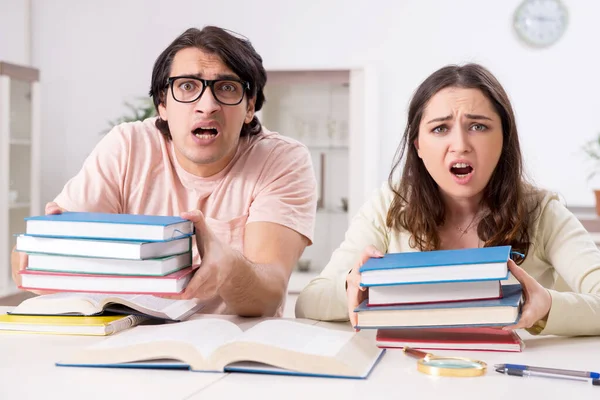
(107, 253)
(449, 298)
(93, 313)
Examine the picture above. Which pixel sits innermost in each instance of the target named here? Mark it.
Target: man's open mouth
(205, 132)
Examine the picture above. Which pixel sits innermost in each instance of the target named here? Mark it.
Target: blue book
(460, 314)
(133, 227)
(487, 263)
(272, 346)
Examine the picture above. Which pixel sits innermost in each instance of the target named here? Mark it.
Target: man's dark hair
(237, 53)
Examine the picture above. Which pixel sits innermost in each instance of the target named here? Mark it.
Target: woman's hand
(355, 293)
(537, 299)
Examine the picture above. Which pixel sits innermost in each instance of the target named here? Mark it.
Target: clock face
(540, 23)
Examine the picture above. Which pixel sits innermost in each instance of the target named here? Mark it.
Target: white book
(94, 303)
(210, 344)
(139, 284)
(132, 250)
(95, 265)
(434, 292)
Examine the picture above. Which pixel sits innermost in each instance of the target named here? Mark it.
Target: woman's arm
(325, 296)
(568, 247)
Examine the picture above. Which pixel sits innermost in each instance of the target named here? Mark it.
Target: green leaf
(143, 109)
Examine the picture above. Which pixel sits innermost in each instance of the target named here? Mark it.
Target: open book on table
(274, 346)
(94, 304)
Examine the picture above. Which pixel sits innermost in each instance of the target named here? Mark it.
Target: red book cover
(479, 339)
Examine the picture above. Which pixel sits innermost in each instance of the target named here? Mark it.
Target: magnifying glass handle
(416, 353)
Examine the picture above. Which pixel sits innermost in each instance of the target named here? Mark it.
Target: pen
(556, 371)
(529, 373)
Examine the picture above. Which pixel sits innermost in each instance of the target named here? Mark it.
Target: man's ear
(250, 110)
(162, 111)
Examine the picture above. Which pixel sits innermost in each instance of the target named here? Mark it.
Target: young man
(251, 192)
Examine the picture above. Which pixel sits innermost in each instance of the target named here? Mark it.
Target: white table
(27, 371)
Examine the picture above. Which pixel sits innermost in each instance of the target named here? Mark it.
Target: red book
(480, 339)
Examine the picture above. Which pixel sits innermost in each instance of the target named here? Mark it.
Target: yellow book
(68, 325)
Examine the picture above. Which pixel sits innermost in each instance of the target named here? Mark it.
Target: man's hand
(355, 293)
(18, 260)
(537, 299)
(216, 261)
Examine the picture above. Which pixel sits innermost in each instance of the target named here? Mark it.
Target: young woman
(462, 186)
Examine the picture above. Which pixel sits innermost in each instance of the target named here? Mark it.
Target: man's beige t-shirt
(133, 170)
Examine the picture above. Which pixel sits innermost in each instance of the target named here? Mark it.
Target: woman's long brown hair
(508, 200)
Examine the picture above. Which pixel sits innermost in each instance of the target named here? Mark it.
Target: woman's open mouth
(461, 170)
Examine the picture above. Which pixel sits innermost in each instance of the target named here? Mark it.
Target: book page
(164, 307)
(297, 336)
(60, 303)
(204, 334)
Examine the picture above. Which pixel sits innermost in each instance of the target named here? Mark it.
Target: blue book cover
(109, 218)
(436, 258)
(134, 227)
(511, 298)
(459, 314)
(245, 367)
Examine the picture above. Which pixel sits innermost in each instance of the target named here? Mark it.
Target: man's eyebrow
(440, 119)
(230, 77)
(219, 76)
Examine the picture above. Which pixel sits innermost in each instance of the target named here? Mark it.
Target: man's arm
(251, 284)
(258, 282)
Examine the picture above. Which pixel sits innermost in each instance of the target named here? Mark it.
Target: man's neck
(204, 170)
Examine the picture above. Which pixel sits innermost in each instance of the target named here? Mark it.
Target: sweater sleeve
(568, 247)
(324, 298)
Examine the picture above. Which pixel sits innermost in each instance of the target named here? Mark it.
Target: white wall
(94, 55)
(14, 31)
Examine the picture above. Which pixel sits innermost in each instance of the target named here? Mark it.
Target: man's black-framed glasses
(188, 89)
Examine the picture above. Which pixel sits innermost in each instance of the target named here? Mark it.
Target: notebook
(477, 339)
(434, 292)
(487, 263)
(273, 346)
(124, 249)
(169, 284)
(94, 304)
(68, 325)
(107, 266)
(109, 226)
(497, 312)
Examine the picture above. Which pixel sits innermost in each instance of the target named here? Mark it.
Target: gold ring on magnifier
(446, 366)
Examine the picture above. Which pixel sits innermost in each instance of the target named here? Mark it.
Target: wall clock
(540, 23)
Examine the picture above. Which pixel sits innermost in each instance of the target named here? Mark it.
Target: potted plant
(592, 149)
(144, 109)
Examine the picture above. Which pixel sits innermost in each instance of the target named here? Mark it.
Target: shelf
(20, 142)
(19, 205)
(331, 211)
(299, 280)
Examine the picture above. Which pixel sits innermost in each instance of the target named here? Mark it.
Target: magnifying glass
(446, 366)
